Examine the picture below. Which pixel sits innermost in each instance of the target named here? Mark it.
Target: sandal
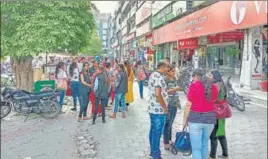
(113, 116)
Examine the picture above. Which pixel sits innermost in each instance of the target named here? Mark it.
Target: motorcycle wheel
(51, 109)
(5, 109)
(239, 103)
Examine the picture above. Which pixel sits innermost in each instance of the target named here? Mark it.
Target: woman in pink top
(199, 113)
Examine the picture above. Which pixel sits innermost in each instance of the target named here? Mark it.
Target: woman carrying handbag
(61, 79)
(218, 132)
(199, 113)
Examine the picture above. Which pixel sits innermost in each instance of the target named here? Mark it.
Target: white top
(62, 74)
(75, 75)
(37, 63)
(157, 81)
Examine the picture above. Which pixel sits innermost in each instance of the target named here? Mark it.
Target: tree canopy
(33, 27)
(95, 45)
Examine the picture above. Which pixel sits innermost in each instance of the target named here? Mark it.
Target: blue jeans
(120, 97)
(156, 131)
(172, 111)
(199, 134)
(62, 95)
(75, 91)
(141, 88)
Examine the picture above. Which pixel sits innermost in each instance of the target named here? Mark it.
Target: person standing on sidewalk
(74, 84)
(110, 76)
(130, 74)
(218, 132)
(84, 91)
(101, 88)
(121, 88)
(173, 105)
(61, 78)
(93, 72)
(141, 76)
(157, 108)
(199, 113)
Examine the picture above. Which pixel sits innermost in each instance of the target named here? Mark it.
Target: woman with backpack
(218, 132)
(141, 77)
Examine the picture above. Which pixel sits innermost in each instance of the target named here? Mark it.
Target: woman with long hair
(121, 89)
(101, 88)
(130, 74)
(84, 91)
(218, 132)
(173, 104)
(74, 84)
(61, 77)
(199, 113)
(141, 76)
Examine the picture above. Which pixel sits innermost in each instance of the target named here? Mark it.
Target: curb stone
(86, 145)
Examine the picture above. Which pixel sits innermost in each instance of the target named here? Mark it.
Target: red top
(196, 95)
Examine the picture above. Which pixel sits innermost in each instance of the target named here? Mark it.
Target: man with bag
(157, 107)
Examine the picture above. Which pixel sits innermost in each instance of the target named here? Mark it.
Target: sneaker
(74, 109)
(104, 121)
(93, 122)
(86, 118)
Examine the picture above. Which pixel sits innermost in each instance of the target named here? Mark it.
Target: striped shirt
(205, 117)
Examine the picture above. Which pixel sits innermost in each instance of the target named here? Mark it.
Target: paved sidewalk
(39, 138)
(128, 138)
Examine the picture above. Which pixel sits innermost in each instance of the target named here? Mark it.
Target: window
(104, 38)
(104, 32)
(105, 25)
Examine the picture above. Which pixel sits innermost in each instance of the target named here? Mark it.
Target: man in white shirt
(37, 68)
(157, 107)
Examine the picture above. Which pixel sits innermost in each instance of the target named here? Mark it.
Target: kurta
(221, 122)
(129, 95)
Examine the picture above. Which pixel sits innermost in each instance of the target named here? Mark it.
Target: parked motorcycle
(43, 103)
(7, 79)
(234, 99)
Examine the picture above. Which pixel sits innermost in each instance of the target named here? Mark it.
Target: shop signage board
(131, 36)
(143, 12)
(226, 37)
(158, 5)
(145, 28)
(223, 16)
(191, 43)
(168, 13)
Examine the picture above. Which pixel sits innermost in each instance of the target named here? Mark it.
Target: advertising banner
(256, 53)
(188, 44)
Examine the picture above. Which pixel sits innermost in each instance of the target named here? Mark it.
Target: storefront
(233, 16)
(187, 49)
(224, 51)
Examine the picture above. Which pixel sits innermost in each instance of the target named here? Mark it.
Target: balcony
(125, 6)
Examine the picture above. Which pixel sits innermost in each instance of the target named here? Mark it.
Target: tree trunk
(23, 71)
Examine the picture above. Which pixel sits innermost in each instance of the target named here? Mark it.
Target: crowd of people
(97, 82)
(100, 81)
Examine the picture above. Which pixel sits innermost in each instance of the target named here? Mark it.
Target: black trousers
(214, 143)
(103, 102)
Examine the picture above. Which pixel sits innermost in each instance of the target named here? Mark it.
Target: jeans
(214, 143)
(199, 135)
(172, 111)
(62, 95)
(84, 101)
(156, 131)
(75, 91)
(120, 98)
(141, 88)
(103, 102)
